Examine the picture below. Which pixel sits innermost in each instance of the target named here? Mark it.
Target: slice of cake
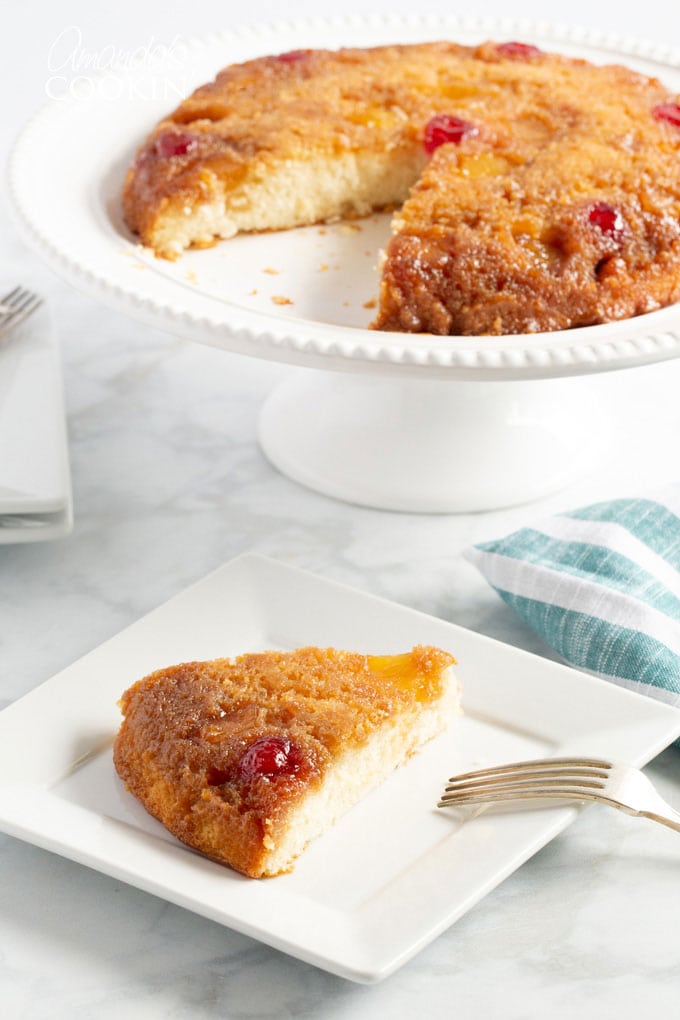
(547, 189)
(287, 140)
(249, 759)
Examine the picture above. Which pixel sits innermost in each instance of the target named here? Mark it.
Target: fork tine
(15, 301)
(536, 766)
(501, 786)
(21, 301)
(565, 778)
(525, 780)
(516, 793)
(520, 773)
(9, 298)
(27, 304)
(576, 779)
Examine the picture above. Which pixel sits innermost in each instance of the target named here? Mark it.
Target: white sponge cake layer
(291, 194)
(358, 772)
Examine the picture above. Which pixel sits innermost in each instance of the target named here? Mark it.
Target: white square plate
(395, 871)
(35, 482)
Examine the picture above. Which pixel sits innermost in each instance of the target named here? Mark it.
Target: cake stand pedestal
(430, 446)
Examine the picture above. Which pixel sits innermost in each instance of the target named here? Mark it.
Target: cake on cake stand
(412, 423)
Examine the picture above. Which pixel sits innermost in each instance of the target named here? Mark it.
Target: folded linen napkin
(601, 585)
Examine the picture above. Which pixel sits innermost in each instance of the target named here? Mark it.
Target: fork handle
(671, 818)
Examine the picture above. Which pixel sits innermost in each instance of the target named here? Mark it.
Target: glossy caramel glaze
(496, 235)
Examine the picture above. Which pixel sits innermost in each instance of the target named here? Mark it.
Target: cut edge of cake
(356, 774)
(274, 196)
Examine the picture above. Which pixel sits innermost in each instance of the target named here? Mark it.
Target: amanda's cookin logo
(74, 70)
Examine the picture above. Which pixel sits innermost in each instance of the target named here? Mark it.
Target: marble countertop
(169, 483)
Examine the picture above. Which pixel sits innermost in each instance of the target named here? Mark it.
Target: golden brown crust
(185, 731)
(495, 237)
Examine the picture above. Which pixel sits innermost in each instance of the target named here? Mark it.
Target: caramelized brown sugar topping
(563, 209)
(229, 728)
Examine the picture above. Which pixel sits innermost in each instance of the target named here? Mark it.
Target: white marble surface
(168, 484)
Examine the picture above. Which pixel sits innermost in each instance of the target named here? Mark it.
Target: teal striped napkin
(602, 586)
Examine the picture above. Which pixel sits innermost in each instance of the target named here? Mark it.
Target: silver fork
(15, 307)
(566, 779)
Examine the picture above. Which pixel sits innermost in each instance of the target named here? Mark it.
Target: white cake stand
(415, 423)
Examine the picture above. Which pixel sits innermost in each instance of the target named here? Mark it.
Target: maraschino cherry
(607, 219)
(523, 51)
(270, 756)
(670, 112)
(443, 128)
(175, 143)
(292, 56)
